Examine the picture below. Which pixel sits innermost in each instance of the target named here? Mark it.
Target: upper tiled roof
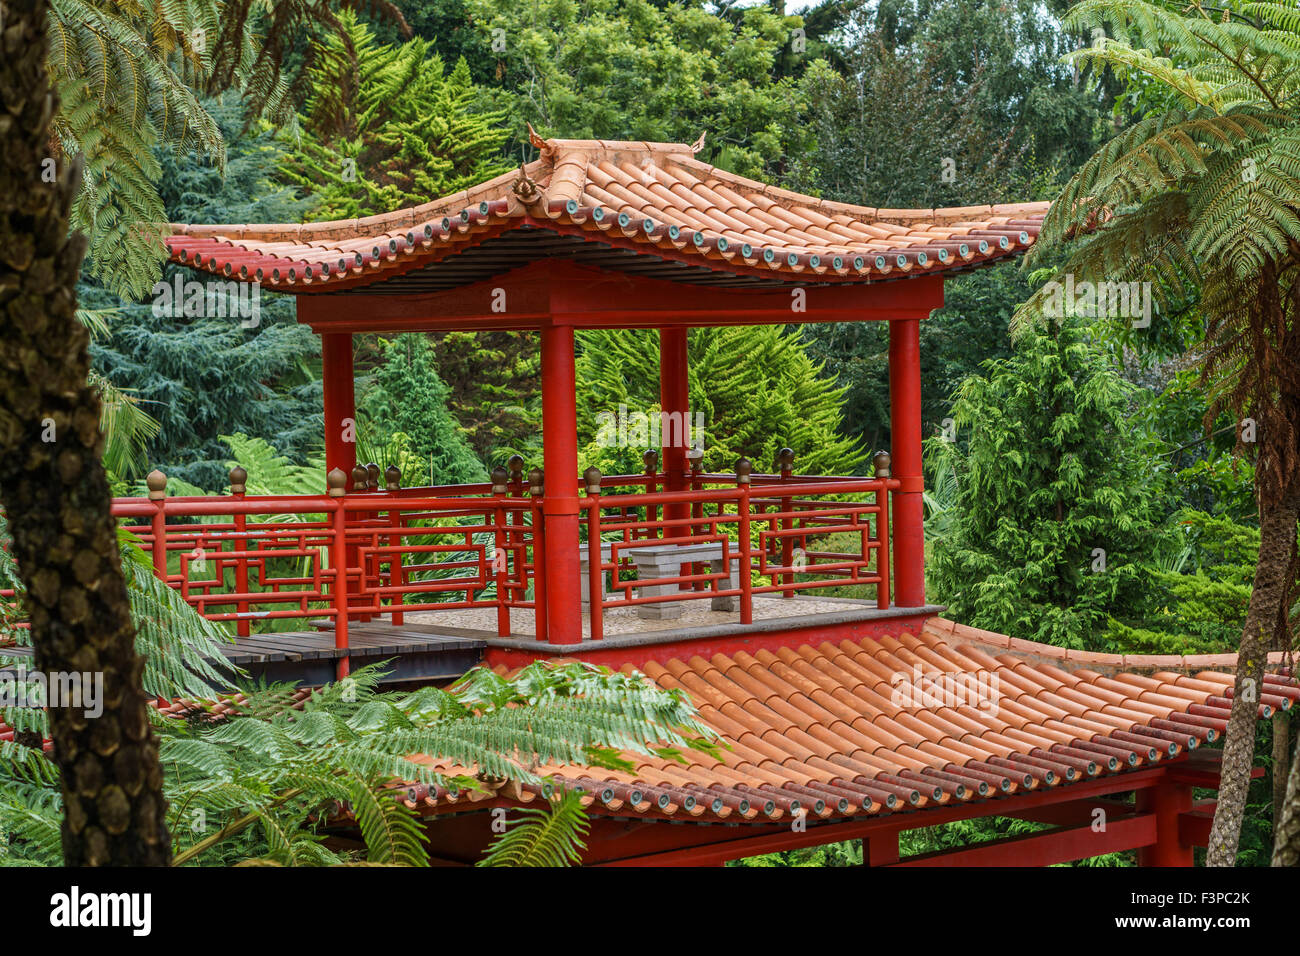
(820, 728)
(653, 200)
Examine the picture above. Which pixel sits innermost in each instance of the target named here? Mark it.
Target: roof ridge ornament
(535, 140)
(525, 189)
(697, 145)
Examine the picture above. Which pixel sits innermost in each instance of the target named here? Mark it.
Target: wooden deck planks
(364, 640)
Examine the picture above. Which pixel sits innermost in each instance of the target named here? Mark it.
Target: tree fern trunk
(1277, 538)
(55, 492)
(1286, 829)
(1281, 762)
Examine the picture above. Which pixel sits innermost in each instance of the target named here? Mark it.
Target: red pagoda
(839, 714)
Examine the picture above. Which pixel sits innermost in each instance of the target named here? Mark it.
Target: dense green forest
(1087, 485)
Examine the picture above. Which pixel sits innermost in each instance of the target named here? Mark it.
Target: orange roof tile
(654, 199)
(827, 729)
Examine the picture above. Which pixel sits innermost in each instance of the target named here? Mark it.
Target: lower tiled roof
(847, 729)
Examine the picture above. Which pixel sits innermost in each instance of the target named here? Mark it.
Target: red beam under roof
(564, 293)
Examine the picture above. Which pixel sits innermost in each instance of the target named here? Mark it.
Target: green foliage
(125, 75)
(1000, 56)
(943, 103)
(1199, 199)
(387, 126)
(494, 390)
(978, 105)
(756, 388)
(128, 77)
(202, 377)
(830, 854)
(270, 473)
(1051, 470)
(407, 395)
(179, 646)
(550, 837)
(263, 783)
(1197, 604)
(638, 70)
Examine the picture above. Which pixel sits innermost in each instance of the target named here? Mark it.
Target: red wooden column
(1167, 800)
(905, 436)
(340, 402)
(560, 502)
(674, 399)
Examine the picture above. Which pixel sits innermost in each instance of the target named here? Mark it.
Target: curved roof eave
(655, 200)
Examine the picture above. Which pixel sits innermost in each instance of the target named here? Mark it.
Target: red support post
(905, 436)
(595, 568)
(674, 401)
(237, 488)
(339, 561)
(882, 549)
(560, 502)
(785, 467)
(1167, 801)
(880, 849)
(536, 491)
(340, 402)
(159, 531)
(743, 470)
(500, 564)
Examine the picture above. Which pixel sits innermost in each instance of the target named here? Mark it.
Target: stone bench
(665, 561)
(584, 569)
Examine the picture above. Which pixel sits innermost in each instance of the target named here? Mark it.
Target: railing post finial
(744, 468)
(785, 462)
(499, 479)
(536, 482)
(695, 456)
(651, 459)
(372, 476)
(336, 482)
(591, 478)
(156, 482)
(881, 461)
(360, 478)
(392, 478)
(238, 480)
(516, 465)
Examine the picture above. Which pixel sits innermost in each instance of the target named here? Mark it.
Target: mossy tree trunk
(1268, 594)
(52, 483)
(1286, 830)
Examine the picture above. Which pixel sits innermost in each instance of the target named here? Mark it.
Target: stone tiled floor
(624, 620)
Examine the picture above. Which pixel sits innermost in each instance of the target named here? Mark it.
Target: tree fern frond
(553, 837)
(391, 832)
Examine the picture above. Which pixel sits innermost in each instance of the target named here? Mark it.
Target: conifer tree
(407, 395)
(755, 387)
(391, 128)
(398, 130)
(203, 376)
(1055, 515)
(494, 385)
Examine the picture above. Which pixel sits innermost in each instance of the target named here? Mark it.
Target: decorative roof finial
(525, 188)
(697, 145)
(536, 141)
